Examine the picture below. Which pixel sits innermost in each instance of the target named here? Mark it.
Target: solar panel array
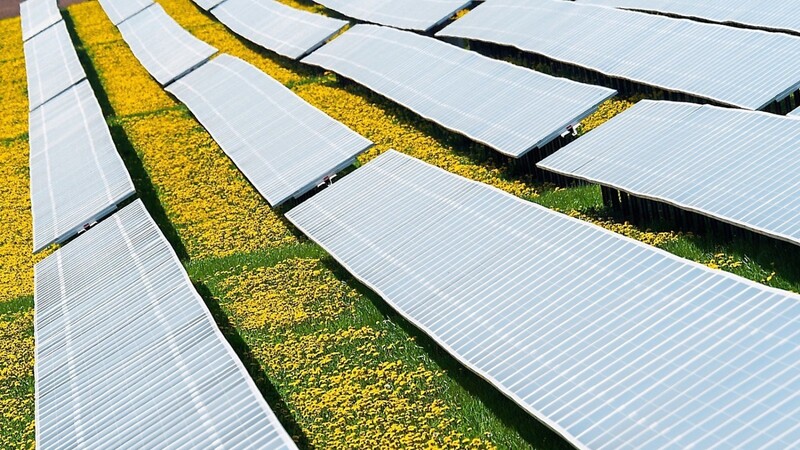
(77, 176)
(163, 47)
(741, 167)
(208, 4)
(420, 15)
(509, 108)
(120, 10)
(283, 145)
(773, 15)
(277, 27)
(745, 68)
(38, 15)
(128, 355)
(51, 63)
(611, 342)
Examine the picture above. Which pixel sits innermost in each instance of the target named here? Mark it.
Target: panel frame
(709, 17)
(37, 16)
(184, 279)
(377, 16)
(241, 149)
(253, 27)
(155, 16)
(101, 143)
(739, 99)
(70, 72)
(511, 75)
(545, 164)
(473, 367)
(118, 14)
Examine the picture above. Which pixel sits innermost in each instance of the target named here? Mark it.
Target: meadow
(338, 366)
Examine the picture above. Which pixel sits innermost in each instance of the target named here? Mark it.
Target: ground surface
(339, 367)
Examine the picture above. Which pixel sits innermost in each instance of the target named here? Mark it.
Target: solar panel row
(37, 16)
(283, 145)
(121, 10)
(745, 68)
(128, 355)
(277, 27)
(774, 15)
(741, 167)
(51, 64)
(208, 4)
(419, 15)
(77, 176)
(509, 108)
(163, 47)
(613, 343)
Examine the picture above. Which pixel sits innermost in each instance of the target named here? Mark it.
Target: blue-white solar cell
(741, 167)
(773, 15)
(733, 66)
(163, 47)
(282, 144)
(509, 108)
(277, 27)
(613, 343)
(129, 356)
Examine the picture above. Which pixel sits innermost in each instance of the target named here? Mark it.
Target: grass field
(338, 366)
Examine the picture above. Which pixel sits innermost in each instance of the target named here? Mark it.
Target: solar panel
(795, 113)
(37, 15)
(744, 68)
(277, 27)
(509, 108)
(420, 15)
(77, 176)
(52, 65)
(741, 167)
(208, 4)
(283, 145)
(775, 15)
(611, 342)
(120, 10)
(163, 47)
(128, 355)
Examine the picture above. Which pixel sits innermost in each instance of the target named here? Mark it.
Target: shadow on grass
(253, 367)
(512, 415)
(141, 180)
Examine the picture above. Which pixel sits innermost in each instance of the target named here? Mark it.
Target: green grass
(16, 305)
(483, 411)
(482, 408)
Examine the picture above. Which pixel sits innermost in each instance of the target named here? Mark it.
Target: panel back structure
(163, 47)
(277, 27)
(128, 355)
(38, 15)
(418, 15)
(77, 176)
(740, 167)
(612, 343)
(509, 108)
(282, 144)
(51, 64)
(773, 15)
(745, 68)
(121, 10)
